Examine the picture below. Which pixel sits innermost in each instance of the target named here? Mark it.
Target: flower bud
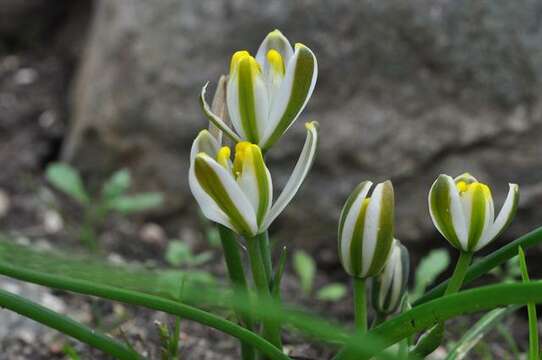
(366, 229)
(390, 285)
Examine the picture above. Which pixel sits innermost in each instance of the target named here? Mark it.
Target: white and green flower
(390, 285)
(366, 229)
(239, 193)
(463, 212)
(266, 93)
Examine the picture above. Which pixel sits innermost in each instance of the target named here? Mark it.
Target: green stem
(65, 325)
(239, 282)
(489, 262)
(531, 310)
(432, 339)
(271, 329)
(459, 273)
(360, 304)
(145, 300)
(265, 249)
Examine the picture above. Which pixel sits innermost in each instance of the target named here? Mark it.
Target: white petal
(238, 198)
(302, 167)
(207, 205)
(504, 218)
(458, 214)
(260, 105)
(275, 40)
(204, 143)
(349, 226)
(283, 113)
(215, 119)
(371, 226)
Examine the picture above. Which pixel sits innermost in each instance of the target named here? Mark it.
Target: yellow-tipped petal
(237, 57)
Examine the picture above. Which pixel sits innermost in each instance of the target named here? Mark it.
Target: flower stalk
(271, 329)
(236, 273)
(360, 304)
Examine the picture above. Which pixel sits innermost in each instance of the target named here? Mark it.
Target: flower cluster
(265, 95)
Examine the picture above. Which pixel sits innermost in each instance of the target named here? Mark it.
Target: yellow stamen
(275, 59)
(223, 156)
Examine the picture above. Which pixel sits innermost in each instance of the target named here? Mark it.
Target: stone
(406, 90)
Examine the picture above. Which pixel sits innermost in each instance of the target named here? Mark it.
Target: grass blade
(66, 325)
(531, 309)
(478, 331)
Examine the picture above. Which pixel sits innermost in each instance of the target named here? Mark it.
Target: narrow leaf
(331, 292)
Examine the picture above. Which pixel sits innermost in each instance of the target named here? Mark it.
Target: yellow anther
(241, 154)
(237, 57)
(223, 156)
(275, 59)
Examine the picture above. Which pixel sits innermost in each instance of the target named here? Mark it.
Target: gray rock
(406, 90)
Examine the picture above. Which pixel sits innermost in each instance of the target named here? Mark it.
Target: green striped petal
(478, 204)
(301, 169)
(247, 97)
(215, 119)
(351, 224)
(292, 96)
(220, 197)
(366, 229)
(379, 229)
(389, 287)
(447, 211)
(255, 180)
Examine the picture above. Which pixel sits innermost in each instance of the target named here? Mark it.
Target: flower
(266, 93)
(463, 212)
(366, 229)
(390, 286)
(239, 194)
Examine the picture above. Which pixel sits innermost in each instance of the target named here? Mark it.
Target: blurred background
(406, 90)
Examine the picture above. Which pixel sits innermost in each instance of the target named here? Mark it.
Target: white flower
(390, 285)
(239, 194)
(266, 93)
(366, 229)
(463, 212)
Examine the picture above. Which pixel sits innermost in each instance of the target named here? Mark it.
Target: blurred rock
(406, 90)
(4, 203)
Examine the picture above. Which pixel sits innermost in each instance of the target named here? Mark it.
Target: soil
(35, 80)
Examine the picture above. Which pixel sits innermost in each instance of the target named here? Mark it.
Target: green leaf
(136, 203)
(489, 262)
(66, 179)
(305, 268)
(117, 184)
(129, 276)
(331, 292)
(429, 269)
(179, 253)
(531, 311)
